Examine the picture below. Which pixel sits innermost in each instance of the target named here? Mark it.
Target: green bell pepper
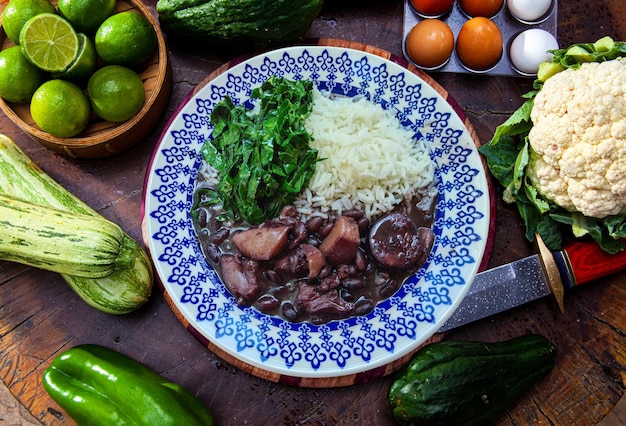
(99, 386)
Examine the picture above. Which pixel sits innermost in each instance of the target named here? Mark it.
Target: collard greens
(263, 155)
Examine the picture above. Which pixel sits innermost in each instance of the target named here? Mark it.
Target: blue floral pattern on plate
(397, 325)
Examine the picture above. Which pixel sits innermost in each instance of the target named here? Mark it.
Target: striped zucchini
(60, 241)
(123, 291)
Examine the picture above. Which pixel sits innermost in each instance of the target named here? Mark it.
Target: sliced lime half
(85, 64)
(49, 42)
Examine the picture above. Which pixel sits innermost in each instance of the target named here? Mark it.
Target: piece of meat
(395, 242)
(314, 258)
(243, 278)
(328, 283)
(262, 243)
(292, 264)
(341, 244)
(316, 302)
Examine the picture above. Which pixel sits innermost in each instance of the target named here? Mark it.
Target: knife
(522, 281)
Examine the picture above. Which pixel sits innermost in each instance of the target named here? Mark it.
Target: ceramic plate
(354, 349)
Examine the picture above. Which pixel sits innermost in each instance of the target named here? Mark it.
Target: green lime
(85, 64)
(18, 12)
(116, 93)
(126, 38)
(49, 42)
(60, 108)
(18, 78)
(86, 15)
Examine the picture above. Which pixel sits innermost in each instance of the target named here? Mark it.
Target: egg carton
(509, 26)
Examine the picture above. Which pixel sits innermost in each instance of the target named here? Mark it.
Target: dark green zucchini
(467, 383)
(238, 22)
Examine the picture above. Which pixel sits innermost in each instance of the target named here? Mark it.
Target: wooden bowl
(103, 138)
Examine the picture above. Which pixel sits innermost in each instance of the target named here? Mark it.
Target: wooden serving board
(346, 380)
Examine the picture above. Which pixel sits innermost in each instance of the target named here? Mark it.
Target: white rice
(370, 161)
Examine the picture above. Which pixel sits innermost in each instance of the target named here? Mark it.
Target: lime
(60, 108)
(49, 42)
(85, 64)
(18, 12)
(116, 93)
(86, 15)
(18, 78)
(126, 38)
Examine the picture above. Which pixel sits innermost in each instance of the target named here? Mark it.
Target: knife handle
(582, 262)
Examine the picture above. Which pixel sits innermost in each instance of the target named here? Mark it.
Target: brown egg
(430, 43)
(479, 44)
(486, 8)
(432, 8)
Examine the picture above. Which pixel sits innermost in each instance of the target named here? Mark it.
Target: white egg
(529, 10)
(530, 48)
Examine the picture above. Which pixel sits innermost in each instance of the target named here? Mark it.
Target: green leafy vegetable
(604, 49)
(507, 156)
(517, 124)
(263, 155)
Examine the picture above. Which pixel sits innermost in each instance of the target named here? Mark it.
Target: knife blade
(525, 280)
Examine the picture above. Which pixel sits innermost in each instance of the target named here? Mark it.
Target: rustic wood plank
(40, 315)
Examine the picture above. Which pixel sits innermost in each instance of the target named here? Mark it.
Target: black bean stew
(315, 270)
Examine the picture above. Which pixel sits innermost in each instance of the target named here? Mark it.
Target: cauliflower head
(578, 139)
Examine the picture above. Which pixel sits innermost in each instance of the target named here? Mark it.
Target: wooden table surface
(40, 315)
